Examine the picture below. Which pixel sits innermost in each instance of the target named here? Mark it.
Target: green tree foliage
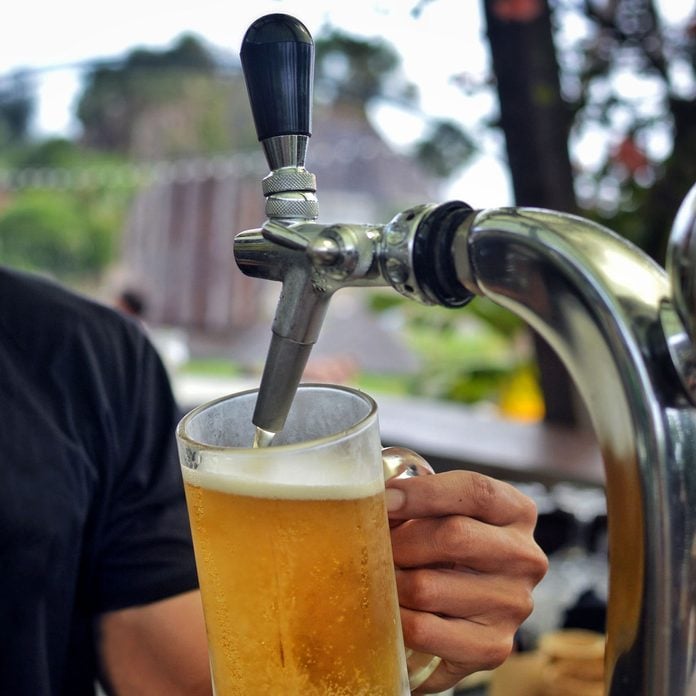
(163, 104)
(468, 356)
(445, 149)
(116, 95)
(52, 152)
(621, 81)
(16, 107)
(353, 72)
(47, 231)
(70, 227)
(357, 70)
(630, 79)
(68, 201)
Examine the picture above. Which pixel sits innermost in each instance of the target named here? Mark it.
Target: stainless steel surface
(285, 150)
(599, 302)
(312, 261)
(400, 462)
(681, 268)
(290, 195)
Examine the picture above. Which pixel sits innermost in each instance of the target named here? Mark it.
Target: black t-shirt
(92, 513)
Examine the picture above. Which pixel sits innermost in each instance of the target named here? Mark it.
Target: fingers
(464, 647)
(476, 598)
(459, 493)
(458, 541)
(468, 619)
(458, 642)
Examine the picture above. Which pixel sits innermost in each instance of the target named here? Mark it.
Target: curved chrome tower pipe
(607, 311)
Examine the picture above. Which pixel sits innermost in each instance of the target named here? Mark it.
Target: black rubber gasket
(433, 262)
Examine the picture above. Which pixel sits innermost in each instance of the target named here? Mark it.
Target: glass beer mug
(293, 551)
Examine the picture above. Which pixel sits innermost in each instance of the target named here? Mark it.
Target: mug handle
(400, 462)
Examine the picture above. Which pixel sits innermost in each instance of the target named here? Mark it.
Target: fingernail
(395, 499)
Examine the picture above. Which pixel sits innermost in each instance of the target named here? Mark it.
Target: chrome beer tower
(623, 327)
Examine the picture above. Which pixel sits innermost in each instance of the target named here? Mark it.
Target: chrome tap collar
(396, 253)
(292, 205)
(289, 179)
(285, 150)
(290, 194)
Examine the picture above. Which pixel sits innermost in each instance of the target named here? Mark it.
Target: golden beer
(298, 586)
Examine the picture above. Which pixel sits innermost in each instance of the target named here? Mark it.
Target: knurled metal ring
(292, 208)
(289, 180)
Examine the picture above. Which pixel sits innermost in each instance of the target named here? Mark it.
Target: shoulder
(43, 318)
(95, 369)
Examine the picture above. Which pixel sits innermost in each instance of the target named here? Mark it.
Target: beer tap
(623, 327)
(311, 261)
(278, 60)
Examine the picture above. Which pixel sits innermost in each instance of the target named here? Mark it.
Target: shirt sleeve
(145, 551)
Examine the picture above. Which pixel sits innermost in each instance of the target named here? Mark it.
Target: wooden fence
(178, 249)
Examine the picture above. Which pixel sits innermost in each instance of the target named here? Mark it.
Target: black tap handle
(278, 63)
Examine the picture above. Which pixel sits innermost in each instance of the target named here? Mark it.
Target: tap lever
(321, 250)
(284, 235)
(277, 57)
(278, 60)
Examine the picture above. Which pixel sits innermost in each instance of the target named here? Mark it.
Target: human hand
(466, 565)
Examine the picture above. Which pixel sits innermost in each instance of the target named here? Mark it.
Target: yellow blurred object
(520, 398)
(559, 685)
(569, 662)
(573, 663)
(519, 675)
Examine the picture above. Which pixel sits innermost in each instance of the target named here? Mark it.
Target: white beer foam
(331, 483)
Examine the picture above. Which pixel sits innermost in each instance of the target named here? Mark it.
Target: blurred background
(128, 162)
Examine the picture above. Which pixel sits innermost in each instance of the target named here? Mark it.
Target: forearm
(156, 649)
